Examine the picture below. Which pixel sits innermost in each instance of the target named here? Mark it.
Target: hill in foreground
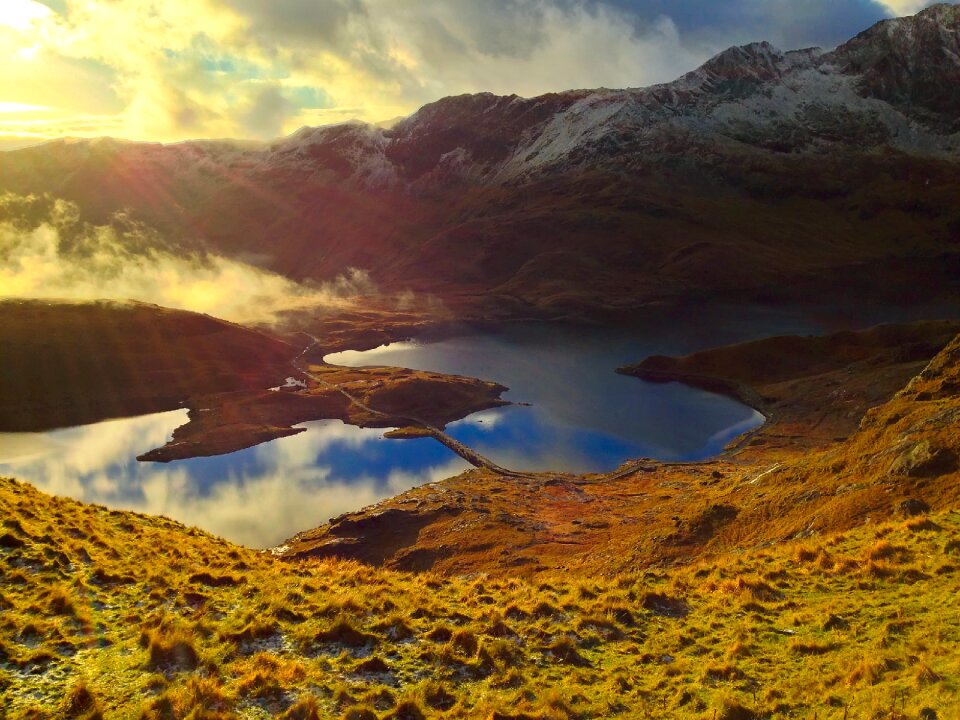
(111, 614)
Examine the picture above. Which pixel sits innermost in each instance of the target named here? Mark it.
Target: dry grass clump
(812, 647)
(869, 671)
(61, 601)
(305, 708)
(344, 632)
(565, 650)
(886, 551)
(80, 702)
(465, 643)
(360, 712)
(199, 697)
(172, 651)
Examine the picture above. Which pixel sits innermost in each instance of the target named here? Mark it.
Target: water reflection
(582, 415)
(257, 497)
(523, 438)
(583, 418)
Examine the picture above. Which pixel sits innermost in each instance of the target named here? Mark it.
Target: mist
(47, 251)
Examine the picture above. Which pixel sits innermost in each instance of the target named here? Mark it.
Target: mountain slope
(762, 172)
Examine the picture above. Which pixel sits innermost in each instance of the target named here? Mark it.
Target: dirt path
(467, 453)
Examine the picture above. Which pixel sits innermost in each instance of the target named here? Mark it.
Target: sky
(168, 70)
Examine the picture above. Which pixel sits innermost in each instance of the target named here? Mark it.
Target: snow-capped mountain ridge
(895, 85)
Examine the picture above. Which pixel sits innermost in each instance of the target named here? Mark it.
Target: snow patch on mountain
(585, 121)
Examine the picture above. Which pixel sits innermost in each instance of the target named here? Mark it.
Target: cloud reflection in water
(258, 497)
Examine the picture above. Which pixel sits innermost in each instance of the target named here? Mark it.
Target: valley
(600, 403)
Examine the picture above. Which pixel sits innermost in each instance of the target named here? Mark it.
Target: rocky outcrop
(924, 460)
(911, 63)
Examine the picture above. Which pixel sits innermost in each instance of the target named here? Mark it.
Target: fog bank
(46, 251)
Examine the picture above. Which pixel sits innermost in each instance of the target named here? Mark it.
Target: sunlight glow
(905, 7)
(145, 70)
(22, 14)
(15, 107)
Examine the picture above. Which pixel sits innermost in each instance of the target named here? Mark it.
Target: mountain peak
(750, 56)
(937, 22)
(941, 12)
(737, 71)
(913, 63)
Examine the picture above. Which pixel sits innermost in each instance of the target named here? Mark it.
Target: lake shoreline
(657, 513)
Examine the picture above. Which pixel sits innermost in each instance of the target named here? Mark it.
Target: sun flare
(22, 14)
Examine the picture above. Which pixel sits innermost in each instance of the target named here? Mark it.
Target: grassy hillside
(68, 363)
(111, 614)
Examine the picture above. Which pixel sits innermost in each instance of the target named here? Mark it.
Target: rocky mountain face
(762, 172)
(912, 64)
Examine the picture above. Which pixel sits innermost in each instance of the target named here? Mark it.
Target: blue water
(582, 417)
(574, 413)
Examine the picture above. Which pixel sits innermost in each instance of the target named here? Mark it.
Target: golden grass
(156, 621)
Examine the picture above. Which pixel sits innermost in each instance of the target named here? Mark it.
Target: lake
(582, 417)
(574, 413)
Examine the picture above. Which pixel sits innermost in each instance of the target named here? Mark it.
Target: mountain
(762, 174)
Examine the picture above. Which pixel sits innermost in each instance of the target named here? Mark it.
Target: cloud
(530, 49)
(45, 251)
(175, 69)
(324, 22)
(268, 111)
(908, 7)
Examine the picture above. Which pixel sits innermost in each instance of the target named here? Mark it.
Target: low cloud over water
(46, 251)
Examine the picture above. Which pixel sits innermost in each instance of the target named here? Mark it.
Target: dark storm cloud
(787, 23)
(514, 28)
(323, 21)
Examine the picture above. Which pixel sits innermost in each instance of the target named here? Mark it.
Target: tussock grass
(196, 627)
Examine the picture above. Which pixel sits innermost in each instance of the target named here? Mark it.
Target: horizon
(260, 74)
